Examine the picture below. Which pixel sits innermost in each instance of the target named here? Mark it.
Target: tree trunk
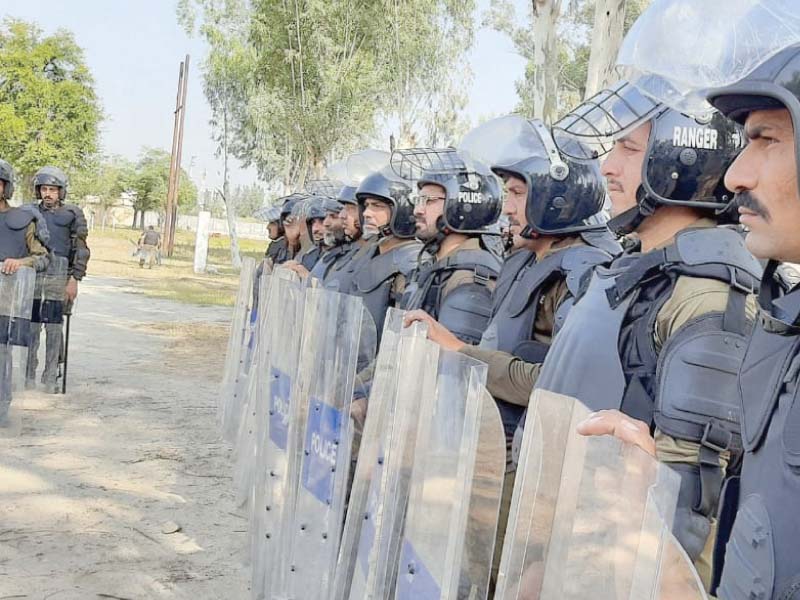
(230, 204)
(609, 23)
(545, 59)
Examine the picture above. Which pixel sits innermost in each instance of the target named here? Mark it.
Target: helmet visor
(268, 213)
(589, 131)
(353, 169)
(503, 141)
(679, 49)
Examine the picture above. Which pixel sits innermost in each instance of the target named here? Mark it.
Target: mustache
(750, 202)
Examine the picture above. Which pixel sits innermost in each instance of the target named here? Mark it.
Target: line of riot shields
(405, 502)
(30, 302)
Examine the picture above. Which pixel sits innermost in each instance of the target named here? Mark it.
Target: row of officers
(48, 235)
(676, 320)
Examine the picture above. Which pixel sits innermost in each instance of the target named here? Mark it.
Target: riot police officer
(276, 250)
(455, 205)
(659, 332)
(21, 245)
(554, 206)
(68, 232)
(339, 276)
(387, 217)
(336, 247)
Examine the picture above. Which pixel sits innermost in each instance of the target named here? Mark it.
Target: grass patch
(175, 279)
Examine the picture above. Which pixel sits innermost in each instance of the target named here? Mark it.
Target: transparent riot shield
(16, 305)
(677, 579)
(339, 341)
(245, 446)
(456, 484)
(237, 342)
(405, 376)
(590, 516)
(47, 322)
(272, 506)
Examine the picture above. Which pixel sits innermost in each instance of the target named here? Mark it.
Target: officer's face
(350, 222)
(317, 230)
(427, 210)
(622, 168)
(764, 179)
(49, 195)
(516, 197)
(333, 223)
(376, 215)
(292, 228)
(273, 231)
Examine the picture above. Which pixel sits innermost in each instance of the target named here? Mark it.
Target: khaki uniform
(37, 259)
(692, 297)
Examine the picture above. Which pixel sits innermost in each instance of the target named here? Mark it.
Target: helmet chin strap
(433, 244)
(630, 220)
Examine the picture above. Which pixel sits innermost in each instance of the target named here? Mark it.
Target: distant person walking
(149, 245)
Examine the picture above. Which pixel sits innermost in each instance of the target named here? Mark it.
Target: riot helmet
(394, 191)
(347, 195)
(272, 216)
(564, 195)
(7, 177)
(472, 199)
(50, 176)
(685, 159)
(312, 210)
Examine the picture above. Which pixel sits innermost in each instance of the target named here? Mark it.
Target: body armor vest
(466, 309)
(517, 300)
(310, 258)
(60, 223)
(277, 251)
(761, 560)
(605, 356)
(341, 275)
(376, 274)
(328, 260)
(13, 225)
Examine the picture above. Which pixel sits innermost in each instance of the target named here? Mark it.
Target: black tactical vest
(277, 251)
(13, 224)
(762, 559)
(605, 356)
(376, 274)
(60, 223)
(466, 309)
(328, 260)
(310, 258)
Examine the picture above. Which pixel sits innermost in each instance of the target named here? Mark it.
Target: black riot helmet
(50, 176)
(270, 214)
(313, 210)
(289, 204)
(7, 177)
(347, 195)
(472, 194)
(388, 187)
(686, 157)
(774, 84)
(564, 195)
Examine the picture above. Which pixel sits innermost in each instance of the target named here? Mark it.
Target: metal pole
(170, 183)
(178, 158)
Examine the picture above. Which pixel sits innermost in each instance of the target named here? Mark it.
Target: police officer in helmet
(648, 331)
(457, 201)
(68, 232)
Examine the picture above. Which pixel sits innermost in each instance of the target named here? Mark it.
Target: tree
(149, 184)
(49, 112)
(573, 46)
(105, 181)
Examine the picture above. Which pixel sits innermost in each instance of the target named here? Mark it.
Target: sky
(134, 48)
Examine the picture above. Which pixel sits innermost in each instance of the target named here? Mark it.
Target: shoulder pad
(466, 311)
(720, 245)
(578, 260)
(20, 217)
(483, 258)
(379, 268)
(602, 239)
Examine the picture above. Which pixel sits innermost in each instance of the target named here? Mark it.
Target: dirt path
(87, 489)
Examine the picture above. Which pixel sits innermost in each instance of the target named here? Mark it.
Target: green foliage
(105, 179)
(294, 83)
(150, 180)
(49, 113)
(574, 46)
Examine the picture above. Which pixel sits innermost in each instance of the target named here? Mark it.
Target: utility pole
(175, 159)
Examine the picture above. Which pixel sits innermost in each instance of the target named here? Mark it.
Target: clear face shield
(678, 50)
(590, 130)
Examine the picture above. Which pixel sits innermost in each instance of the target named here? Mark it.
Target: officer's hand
(358, 411)
(71, 291)
(299, 269)
(436, 331)
(10, 266)
(621, 426)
